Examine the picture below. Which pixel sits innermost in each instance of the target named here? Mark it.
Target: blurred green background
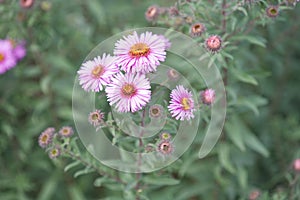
(38, 93)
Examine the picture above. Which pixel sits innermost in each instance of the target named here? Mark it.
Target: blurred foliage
(262, 132)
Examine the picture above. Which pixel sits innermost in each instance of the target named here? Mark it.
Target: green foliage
(259, 62)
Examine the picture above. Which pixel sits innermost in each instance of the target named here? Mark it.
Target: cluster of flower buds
(52, 141)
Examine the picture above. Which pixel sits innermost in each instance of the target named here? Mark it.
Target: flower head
(152, 13)
(45, 138)
(165, 147)
(7, 58)
(141, 54)
(94, 74)
(165, 136)
(208, 96)
(181, 103)
(54, 152)
(96, 118)
(296, 165)
(197, 29)
(156, 111)
(66, 131)
(272, 11)
(213, 43)
(129, 92)
(26, 3)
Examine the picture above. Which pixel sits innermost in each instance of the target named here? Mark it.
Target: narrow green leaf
(235, 133)
(242, 76)
(161, 180)
(71, 165)
(252, 141)
(242, 177)
(83, 172)
(224, 158)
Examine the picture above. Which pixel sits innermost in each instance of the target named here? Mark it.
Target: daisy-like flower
(181, 104)
(141, 54)
(46, 137)
(156, 111)
(54, 152)
(94, 74)
(208, 96)
(165, 147)
(66, 131)
(96, 118)
(213, 43)
(7, 58)
(129, 92)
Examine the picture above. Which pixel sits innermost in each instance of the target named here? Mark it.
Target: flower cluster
(10, 53)
(123, 77)
(53, 141)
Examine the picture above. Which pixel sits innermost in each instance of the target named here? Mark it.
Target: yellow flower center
(44, 138)
(54, 152)
(139, 50)
(128, 90)
(1, 57)
(165, 136)
(98, 71)
(95, 116)
(185, 103)
(65, 131)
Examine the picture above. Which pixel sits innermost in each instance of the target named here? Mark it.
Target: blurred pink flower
(208, 96)
(7, 58)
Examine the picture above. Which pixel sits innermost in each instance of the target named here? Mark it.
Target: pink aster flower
(94, 74)
(130, 92)
(19, 50)
(7, 58)
(208, 96)
(66, 131)
(181, 104)
(46, 137)
(141, 54)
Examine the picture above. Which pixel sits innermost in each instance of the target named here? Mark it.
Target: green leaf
(83, 172)
(235, 133)
(242, 177)
(161, 181)
(243, 76)
(243, 10)
(252, 141)
(224, 158)
(252, 39)
(75, 193)
(71, 165)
